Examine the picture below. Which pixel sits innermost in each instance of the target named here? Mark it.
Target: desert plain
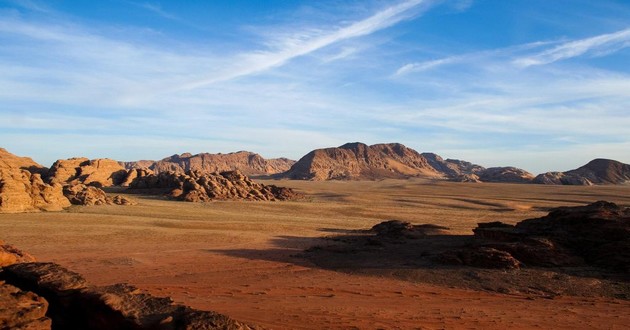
(246, 259)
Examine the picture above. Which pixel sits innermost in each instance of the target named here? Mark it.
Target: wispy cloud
(479, 58)
(157, 9)
(252, 63)
(596, 46)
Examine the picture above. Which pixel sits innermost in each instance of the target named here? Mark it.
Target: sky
(537, 84)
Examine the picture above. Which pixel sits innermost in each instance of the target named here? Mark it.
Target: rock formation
(596, 235)
(80, 194)
(356, 161)
(25, 191)
(22, 191)
(248, 163)
(196, 186)
(20, 309)
(597, 171)
(97, 172)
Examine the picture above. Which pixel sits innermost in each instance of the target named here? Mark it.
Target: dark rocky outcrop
(196, 186)
(74, 304)
(22, 309)
(396, 229)
(597, 235)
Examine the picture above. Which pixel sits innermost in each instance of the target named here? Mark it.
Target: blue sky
(542, 85)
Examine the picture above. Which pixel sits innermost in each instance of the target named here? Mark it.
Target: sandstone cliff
(25, 191)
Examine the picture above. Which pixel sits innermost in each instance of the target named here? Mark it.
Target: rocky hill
(597, 171)
(247, 162)
(357, 161)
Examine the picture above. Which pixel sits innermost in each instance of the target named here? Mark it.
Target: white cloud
(306, 43)
(597, 46)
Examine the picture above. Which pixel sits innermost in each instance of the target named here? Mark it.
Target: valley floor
(243, 258)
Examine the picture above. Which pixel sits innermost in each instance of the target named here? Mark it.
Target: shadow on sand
(414, 259)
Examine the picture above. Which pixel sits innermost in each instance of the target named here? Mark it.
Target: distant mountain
(597, 171)
(358, 161)
(248, 163)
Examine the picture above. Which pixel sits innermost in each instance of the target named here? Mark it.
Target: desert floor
(242, 258)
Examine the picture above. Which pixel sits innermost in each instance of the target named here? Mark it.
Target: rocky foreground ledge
(43, 295)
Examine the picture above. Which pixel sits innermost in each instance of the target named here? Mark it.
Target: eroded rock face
(11, 161)
(97, 172)
(22, 191)
(195, 186)
(22, 309)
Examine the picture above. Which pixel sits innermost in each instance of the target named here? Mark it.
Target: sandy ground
(239, 258)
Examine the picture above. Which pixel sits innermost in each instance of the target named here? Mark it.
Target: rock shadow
(494, 259)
